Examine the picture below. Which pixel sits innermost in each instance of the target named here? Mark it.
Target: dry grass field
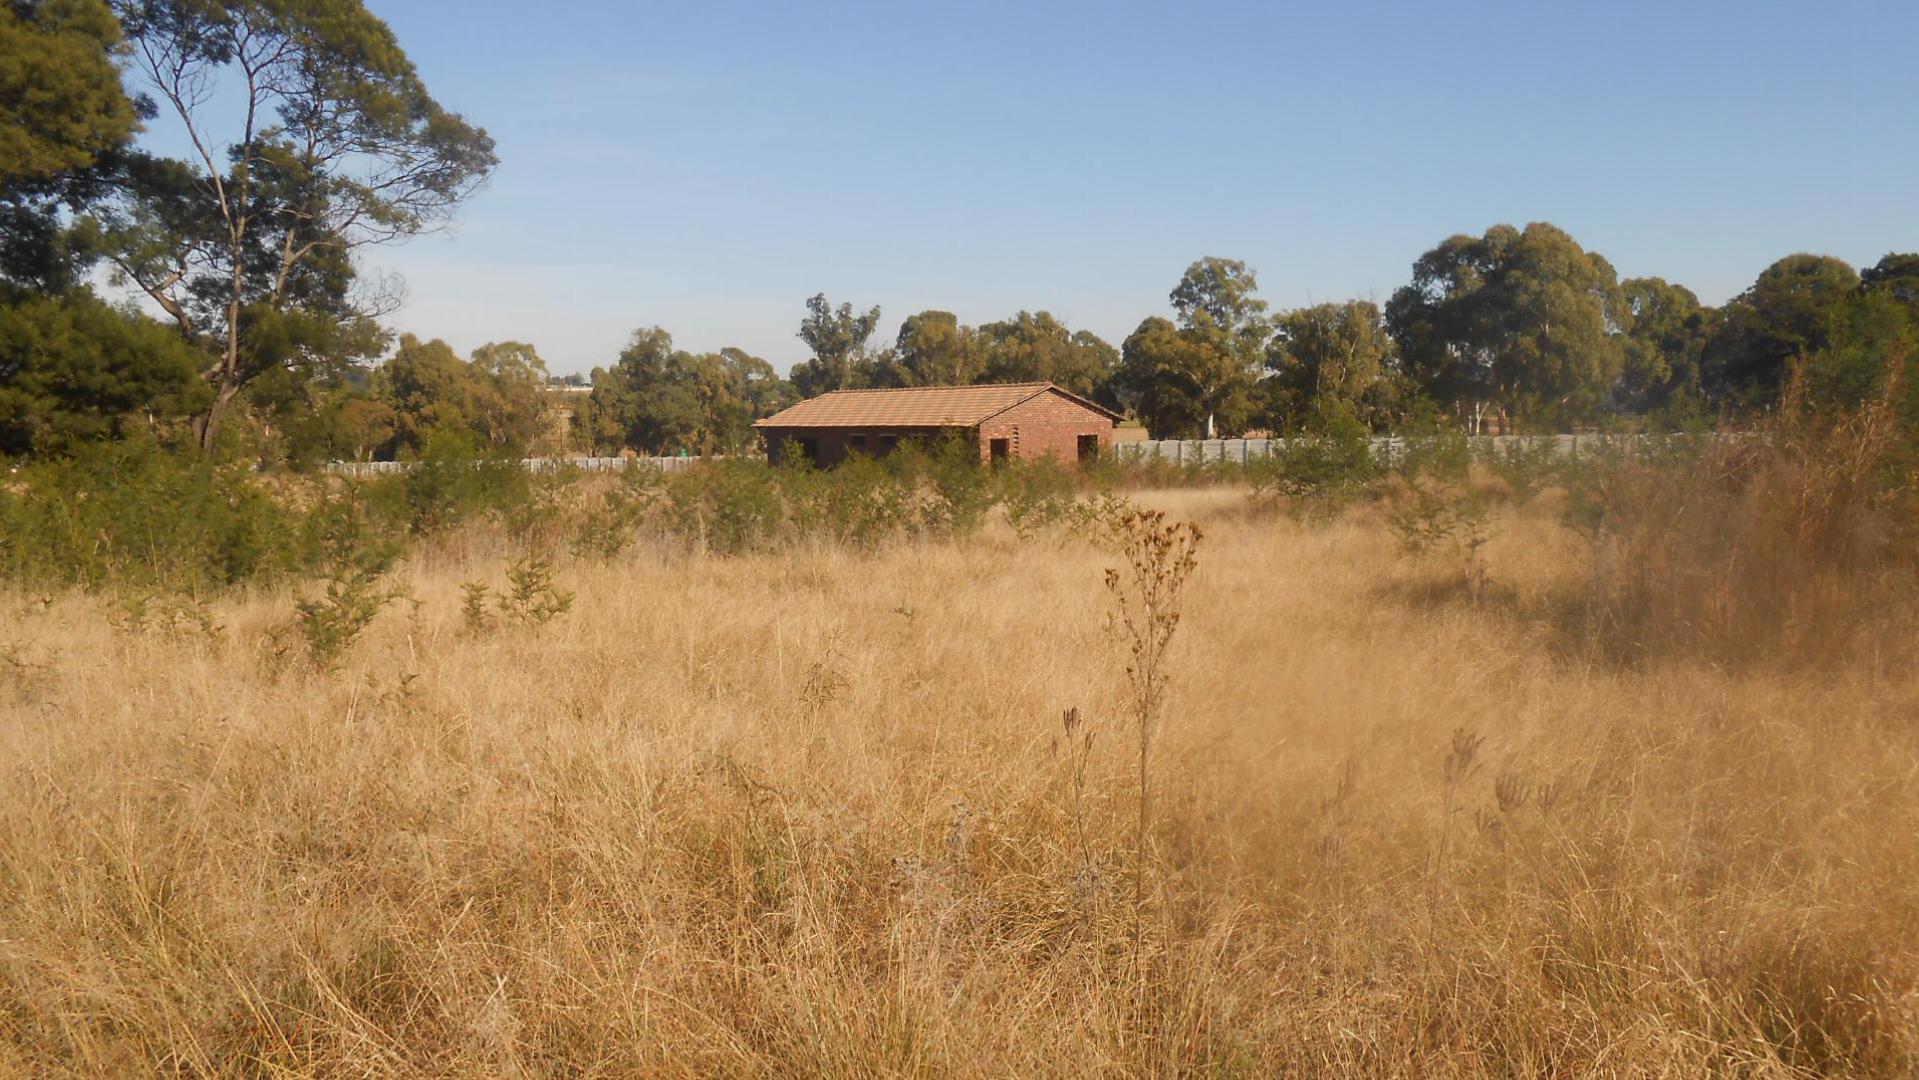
(817, 813)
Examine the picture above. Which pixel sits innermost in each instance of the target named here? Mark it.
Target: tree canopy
(1526, 320)
(1327, 352)
(1666, 335)
(1788, 312)
(838, 339)
(331, 144)
(73, 369)
(660, 400)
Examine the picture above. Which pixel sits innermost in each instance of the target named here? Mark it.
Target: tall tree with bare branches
(312, 137)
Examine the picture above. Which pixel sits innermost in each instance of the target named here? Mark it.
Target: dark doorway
(999, 449)
(809, 450)
(1089, 448)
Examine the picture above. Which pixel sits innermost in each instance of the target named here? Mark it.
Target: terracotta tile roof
(918, 406)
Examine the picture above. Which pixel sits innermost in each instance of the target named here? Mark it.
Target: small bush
(132, 514)
(329, 625)
(1323, 470)
(726, 507)
(533, 600)
(451, 483)
(1037, 496)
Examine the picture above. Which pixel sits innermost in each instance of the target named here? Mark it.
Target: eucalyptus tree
(1228, 329)
(1663, 345)
(933, 349)
(656, 398)
(1787, 313)
(1326, 353)
(1182, 382)
(838, 338)
(311, 137)
(1897, 277)
(1037, 347)
(1523, 319)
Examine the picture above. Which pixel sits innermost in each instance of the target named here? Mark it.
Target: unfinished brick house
(1009, 420)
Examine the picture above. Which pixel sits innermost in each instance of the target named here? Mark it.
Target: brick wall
(1048, 425)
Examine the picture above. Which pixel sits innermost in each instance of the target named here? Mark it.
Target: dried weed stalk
(1159, 560)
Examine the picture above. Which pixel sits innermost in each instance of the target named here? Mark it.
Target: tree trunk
(208, 425)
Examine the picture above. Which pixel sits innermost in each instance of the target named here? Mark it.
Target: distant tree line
(1519, 325)
(268, 341)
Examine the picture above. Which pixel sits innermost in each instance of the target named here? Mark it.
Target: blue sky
(706, 167)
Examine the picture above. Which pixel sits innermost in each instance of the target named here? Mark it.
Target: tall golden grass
(816, 813)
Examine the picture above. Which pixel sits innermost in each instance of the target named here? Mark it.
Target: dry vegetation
(816, 812)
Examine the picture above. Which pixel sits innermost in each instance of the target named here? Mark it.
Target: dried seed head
(1462, 759)
(1548, 797)
(1512, 790)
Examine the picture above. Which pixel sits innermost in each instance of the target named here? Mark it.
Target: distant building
(1016, 420)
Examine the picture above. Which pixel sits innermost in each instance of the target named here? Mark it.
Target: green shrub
(1433, 448)
(1037, 496)
(610, 518)
(726, 507)
(533, 600)
(132, 514)
(1322, 470)
(454, 482)
(957, 492)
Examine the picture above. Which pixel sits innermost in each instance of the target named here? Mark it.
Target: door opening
(1000, 449)
(1089, 448)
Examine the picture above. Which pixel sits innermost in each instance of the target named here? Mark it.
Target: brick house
(1010, 420)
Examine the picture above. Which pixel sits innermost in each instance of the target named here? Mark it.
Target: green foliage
(452, 482)
(1037, 495)
(130, 514)
(61, 105)
(657, 399)
(328, 626)
(1322, 470)
(729, 507)
(1895, 277)
(335, 145)
(1447, 520)
(1198, 376)
(956, 491)
(1519, 319)
(474, 613)
(862, 502)
(610, 522)
(1664, 345)
(1526, 465)
(533, 599)
(1787, 313)
(63, 114)
(933, 349)
(1872, 340)
(498, 400)
(1037, 347)
(74, 370)
(1328, 352)
(838, 339)
(1432, 448)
